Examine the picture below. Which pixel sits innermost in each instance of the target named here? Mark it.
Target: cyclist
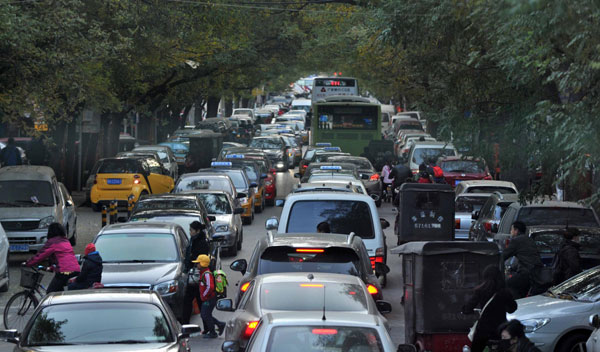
(60, 255)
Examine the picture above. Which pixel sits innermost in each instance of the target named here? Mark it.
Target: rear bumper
(106, 196)
(247, 210)
(270, 192)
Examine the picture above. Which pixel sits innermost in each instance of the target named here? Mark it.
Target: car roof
(424, 144)
(202, 173)
(151, 147)
(492, 183)
(538, 203)
(137, 227)
(103, 295)
(456, 158)
(329, 196)
(168, 212)
(166, 196)
(26, 172)
(473, 195)
(324, 186)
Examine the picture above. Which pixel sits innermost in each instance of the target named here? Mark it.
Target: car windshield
(155, 204)
(196, 183)
(266, 143)
(99, 323)
(582, 287)
(469, 204)
(137, 247)
(532, 216)
(25, 193)
(309, 154)
(119, 166)
(330, 260)
(216, 204)
(464, 166)
(549, 242)
(421, 155)
(491, 189)
(343, 216)
(309, 296)
(236, 177)
(324, 338)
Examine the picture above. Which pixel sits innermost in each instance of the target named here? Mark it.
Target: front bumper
(229, 237)
(33, 240)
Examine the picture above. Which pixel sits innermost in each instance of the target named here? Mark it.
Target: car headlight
(222, 228)
(244, 200)
(45, 222)
(532, 325)
(165, 288)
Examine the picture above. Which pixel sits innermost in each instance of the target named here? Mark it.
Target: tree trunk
(228, 107)
(212, 106)
(245, 102)
(111, 138)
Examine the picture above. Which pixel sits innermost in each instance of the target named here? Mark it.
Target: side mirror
(595, 321)
(272, 224)
(241, 195)
(279, 202)
(494, 228)
(381, 268)
(475, 215)
(225, 304)
(212, 218)
(263, 176)
(383, 307)
(384, 223)
(188, 329)
(297, 175)
(239, 265)
(406, 348)
(11, 336)
(253, 184)
(238, 211)
(69, 203)
(230, 346)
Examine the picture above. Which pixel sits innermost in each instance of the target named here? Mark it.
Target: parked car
(558, 319)
(102, 320)
(459, 169)
(488, 217)
(464, 206)
(486, 186)
(30, 200)
(298, 292)
(149, 255)
(227, 220)
(4, 268)
(167, 157)
(593, 343)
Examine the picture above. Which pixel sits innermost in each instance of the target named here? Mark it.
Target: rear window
(490, 189)
(324, 338)
(469, 204)
(191, 184)
(532, 216)
(550, 242)
(464, 166)
(288, 259)
(217, 204)
(156, 204)
(420, 155)
(343, 216)
(410, 126)
(119, 166)
(309, 296)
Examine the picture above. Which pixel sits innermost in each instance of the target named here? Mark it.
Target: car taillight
(372, 289)
(415, 171)
(136, 181)
(250, 327)
(457, 223)
(375, 260)
(487, 226)
(374, 177)
(304, 166)
(311, 285)
(324, 331)
(488, 177)
(244, 287)
(310, 250)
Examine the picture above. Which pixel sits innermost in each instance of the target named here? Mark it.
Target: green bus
(348, 122)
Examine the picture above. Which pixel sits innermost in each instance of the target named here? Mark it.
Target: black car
(330, 253)
(275, 148)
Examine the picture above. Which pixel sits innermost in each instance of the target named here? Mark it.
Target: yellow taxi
(121, 177)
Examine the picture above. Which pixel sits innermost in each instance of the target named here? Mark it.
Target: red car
(457, 169)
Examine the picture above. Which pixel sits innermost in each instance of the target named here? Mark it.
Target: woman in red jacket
(60, 255)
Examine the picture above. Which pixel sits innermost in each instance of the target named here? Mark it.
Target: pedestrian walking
(198, 245)
(514, 339)
(10, 155)
(208, 296)
(60, 255)
(567, 262)
(530, 264)
(91, 270)
(494, 300)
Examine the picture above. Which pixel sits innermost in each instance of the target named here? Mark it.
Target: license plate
(18, 248)
(113, 181)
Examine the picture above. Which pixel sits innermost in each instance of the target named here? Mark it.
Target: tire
(247, 221)
(232, 251)
(383, 280)
(573, 343)
(270, 202)
(262, 204)
(378, 203)
(4, 288)
(240, 240)
(73, 239)
(19, 309)
(260, 207)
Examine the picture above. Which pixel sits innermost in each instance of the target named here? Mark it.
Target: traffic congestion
(322, 222)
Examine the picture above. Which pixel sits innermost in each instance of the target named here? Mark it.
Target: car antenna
(324, 318)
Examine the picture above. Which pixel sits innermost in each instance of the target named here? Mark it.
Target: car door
(69, 215)
(159, 183)
(60, 202)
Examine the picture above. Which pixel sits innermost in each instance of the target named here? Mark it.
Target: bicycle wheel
(19, 310)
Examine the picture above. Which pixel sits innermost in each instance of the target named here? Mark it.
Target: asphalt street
(89, 223)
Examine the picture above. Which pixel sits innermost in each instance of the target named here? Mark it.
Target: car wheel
(233, 250)
(378, 203)
(573, 343)
(270, 202)
(259, 208)
(247, 220)
(383, 280)
(73, 239)
(240, 240)
(4, 288)
(262, 204)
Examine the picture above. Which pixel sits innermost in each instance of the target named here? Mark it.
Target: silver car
(317, 331)
(558, 320)
(167, 158)
(30, 200)
(228, 222)
(305, 292)
(465, 206)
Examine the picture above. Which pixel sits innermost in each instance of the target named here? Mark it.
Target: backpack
(438, 172)
(220, 283)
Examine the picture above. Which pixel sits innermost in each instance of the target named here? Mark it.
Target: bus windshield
(348, 117)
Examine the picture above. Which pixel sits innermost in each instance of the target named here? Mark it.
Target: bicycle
(21, 305)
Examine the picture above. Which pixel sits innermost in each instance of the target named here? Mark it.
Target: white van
(301, 104)
(421, 152)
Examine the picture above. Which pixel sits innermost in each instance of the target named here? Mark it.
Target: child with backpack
(208, 296)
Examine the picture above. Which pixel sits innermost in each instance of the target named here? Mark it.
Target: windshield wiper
(52, 344)
(9, 204)
(34, 203)
(124, 342)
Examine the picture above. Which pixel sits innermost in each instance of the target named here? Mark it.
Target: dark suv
(549, 212)
(488, 217)
(275, 148)
(328, 253)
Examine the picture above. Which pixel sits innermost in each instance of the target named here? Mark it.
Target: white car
(593, 343)
(464, 206)
(420, 152)
(4, 275)
(558, 320)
